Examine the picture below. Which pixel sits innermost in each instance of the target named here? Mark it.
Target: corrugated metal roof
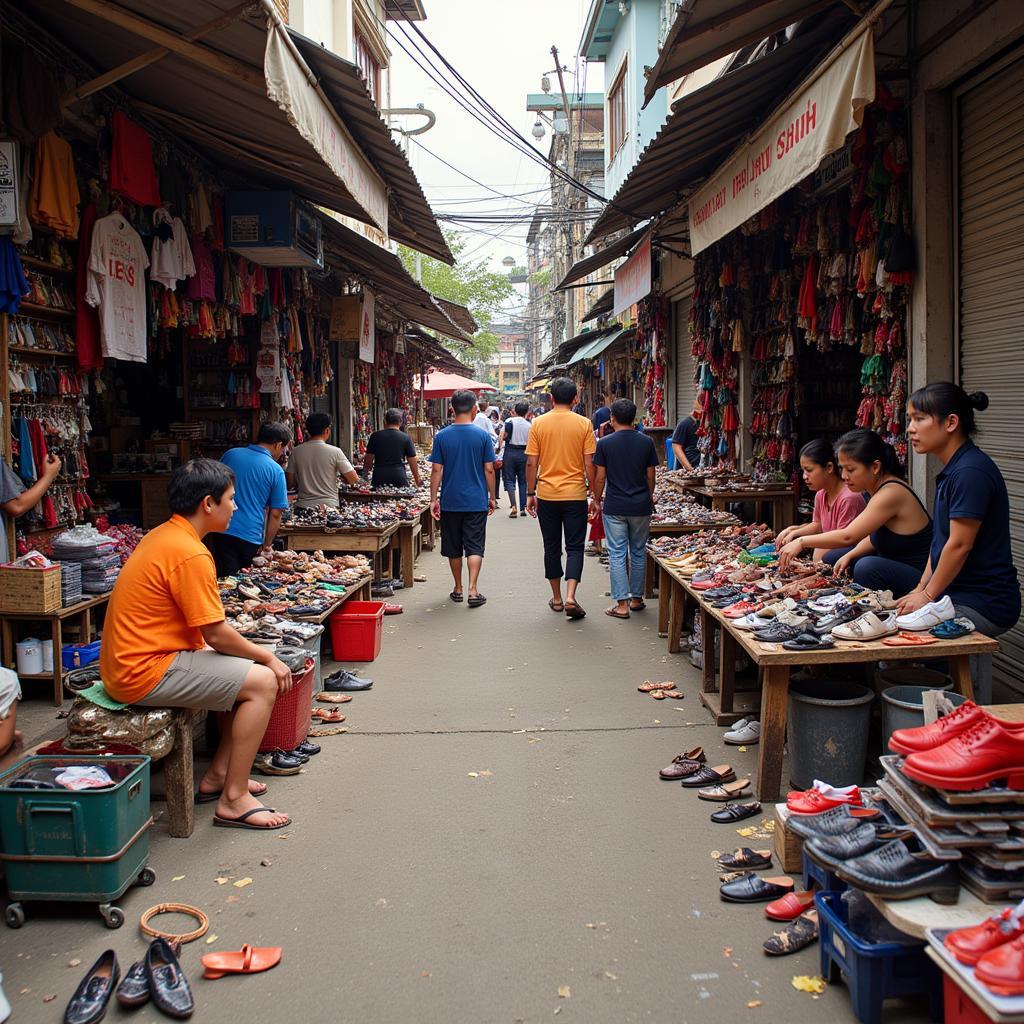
(710, 29)
(587, 265)
(705, 126)
(595, 348)
(459, 315)
(603, 304)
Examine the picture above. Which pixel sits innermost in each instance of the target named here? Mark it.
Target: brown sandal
(658, 694)
(334, 730)
(614, 613)
(647, 686)
(674, 694)
(556, 606)
(326, 697)
(328, 715)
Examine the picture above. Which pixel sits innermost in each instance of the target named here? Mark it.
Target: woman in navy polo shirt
(970, 557)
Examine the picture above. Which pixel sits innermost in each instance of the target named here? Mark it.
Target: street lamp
(538, 129)
(545, 83)
(508, 261)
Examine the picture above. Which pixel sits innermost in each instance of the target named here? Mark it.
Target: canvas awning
(227, 78)
(602, 304)
(596, 348)
(706, 125)
(459, 315)
(444, 385)
(705, 30)
(587, 265)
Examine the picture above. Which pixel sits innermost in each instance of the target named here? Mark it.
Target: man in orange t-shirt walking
(559, 467)
(166, 642)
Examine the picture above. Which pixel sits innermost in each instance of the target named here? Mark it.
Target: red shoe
(972, 760)
(393, 609)
(741, 608)
(790, 906)
(718, 580)
(1002, 969)
(969, 945)
(927, 737)
(813, 801)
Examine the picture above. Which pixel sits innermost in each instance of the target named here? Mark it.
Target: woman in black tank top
(887, 545)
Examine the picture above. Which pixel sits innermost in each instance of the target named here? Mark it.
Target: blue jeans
(514, 471)
(626, 536)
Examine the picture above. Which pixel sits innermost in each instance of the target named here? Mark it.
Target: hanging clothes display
(132, 172)
(13, 283)
(171, 261)
(54, 198)
(117, 285)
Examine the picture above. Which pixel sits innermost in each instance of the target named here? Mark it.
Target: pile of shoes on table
(362, 490)
(674, 507)
(371, 515)
(291, 583)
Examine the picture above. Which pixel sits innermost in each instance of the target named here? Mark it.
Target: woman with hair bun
(970, 559)
(892, 537)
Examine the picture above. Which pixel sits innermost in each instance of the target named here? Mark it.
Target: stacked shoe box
(70, 583)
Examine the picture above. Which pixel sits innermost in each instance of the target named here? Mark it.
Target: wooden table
(781, 499)
(428, 538)
(360, 590)
(774, 664)
(83, 610)
(370, 541)
(674, 530)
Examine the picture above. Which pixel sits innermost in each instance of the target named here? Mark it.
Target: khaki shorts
(200, 679)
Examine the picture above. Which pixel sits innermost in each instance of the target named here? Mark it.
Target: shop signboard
(345, 318)
(8, 182)
(789, 147)
(319, 124)
(268, 359)
(367, 335)
(633, 278)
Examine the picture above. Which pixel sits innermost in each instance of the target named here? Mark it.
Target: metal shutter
(991, 292)
(683, 357)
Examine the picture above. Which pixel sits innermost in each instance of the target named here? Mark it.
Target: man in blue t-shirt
(626, 462)
(261, 495)
(603, 415)
(462, 466)
(684, 439)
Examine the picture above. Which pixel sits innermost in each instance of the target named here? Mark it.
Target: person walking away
(166, 642)
(626, 463)
(971, 560)
(462, 469)
(603, 414)
(261, 495)
(388, 452)
(316, 467)
(517, 430)
(499, 453)
(835, 505)
(482, 420)
(559, 467)
(684, 438)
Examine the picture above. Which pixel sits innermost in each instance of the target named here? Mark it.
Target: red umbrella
(444, 385)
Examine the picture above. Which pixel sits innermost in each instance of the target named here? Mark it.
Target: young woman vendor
(891, 538)
(835, 505)
(970, 557)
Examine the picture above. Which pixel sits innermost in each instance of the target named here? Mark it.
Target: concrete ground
(490, 833)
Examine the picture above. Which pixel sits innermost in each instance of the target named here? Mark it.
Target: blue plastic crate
(825, 880)
(873, 971)
(79, 655)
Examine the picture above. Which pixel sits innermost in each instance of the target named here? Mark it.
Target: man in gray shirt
(16, 499)
(316, 468)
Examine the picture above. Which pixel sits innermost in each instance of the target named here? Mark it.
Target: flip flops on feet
(242, 821)
(574, 611)
(476, 600)
(614, 613)
(556, 606)
(456, 596)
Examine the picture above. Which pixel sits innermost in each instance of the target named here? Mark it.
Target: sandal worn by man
(456, 596)
(637, 607)
(247, 960)
(476, 600)
(556, 606)
(614, 613)
(574, 610)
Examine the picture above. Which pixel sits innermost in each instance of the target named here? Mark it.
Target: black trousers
(514, 471)
(231, 554)
(558, 518)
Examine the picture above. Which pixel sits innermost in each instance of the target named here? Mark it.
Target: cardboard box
(789, 847)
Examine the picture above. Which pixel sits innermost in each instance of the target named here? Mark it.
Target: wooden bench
(179, 774)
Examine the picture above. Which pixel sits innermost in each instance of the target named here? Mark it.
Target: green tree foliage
(470, 284)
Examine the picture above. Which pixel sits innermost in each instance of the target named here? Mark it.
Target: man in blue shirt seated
(261, 495)
(462, 467)
(626, 462)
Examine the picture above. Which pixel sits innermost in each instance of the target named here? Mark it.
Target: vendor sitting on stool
(166, 643)
(887, 544)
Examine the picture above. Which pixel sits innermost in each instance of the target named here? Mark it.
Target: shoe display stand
(775, 664)
(781, 500)
(959, 978)
(359, 591)
(377, 543)
(674, 530)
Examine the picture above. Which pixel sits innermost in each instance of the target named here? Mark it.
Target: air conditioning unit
(273, 229)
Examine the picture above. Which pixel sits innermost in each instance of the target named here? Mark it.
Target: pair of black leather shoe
(158, 977)
(345, 681)
(898, 872)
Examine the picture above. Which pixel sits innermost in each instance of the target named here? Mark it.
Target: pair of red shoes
(821, 797)
(967, 749)
(995, 948)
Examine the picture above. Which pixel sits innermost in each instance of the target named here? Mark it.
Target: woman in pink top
(835, 505)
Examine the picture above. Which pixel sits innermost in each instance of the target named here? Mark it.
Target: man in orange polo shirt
(559, 466)
(166, 643)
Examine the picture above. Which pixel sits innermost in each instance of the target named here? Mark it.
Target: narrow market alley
(491, 832)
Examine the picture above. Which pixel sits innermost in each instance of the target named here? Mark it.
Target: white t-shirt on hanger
(172, 260)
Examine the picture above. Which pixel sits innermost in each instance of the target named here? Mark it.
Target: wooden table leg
(181, 815)
(407, 557)
(718, 504)
(7, 635)
(960, 670)
(707, 644)
(774, 702)
(675, 616)
(56, 634)
(650, 575)
(664, 590)
(727, 671)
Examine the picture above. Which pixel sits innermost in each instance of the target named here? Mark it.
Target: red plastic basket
(290, 719)
(960, 1008)
(357, 629)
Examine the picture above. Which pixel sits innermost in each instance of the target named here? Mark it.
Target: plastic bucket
(357, 629)
(903, 707)
(29, 657)
(912, 675)
(828, 732)
(47, 651)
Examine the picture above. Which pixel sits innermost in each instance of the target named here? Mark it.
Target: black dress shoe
(751, 888)
(346, 681)
(777, 633)
(307, 748)
(89, 1003)
(735, 812)
(834, 822)
(295, 755)
(708, 776)
(134, 988)
(168, 986)
(284, 759)
(897, 873)
(831, 851)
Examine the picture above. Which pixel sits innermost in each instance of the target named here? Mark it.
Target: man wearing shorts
(166, 644)
(462, 466)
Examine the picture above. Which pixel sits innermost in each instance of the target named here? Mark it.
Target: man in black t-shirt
(684, 439)
(387, 453)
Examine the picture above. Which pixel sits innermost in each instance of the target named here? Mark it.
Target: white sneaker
(744, 732)
(928, 616)
(751, 621)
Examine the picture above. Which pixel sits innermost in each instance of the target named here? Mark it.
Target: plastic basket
(960, 1008)
(814, 875)
(873, 971)
(79, 655)
(357, 629)
(290, 719)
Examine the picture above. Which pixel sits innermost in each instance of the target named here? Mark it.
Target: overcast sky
(501, 50)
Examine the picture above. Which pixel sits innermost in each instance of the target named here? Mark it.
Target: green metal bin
(85, 845)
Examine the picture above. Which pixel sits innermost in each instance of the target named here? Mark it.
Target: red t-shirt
(840, 513)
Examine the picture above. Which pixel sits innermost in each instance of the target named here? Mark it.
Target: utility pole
(566, 189)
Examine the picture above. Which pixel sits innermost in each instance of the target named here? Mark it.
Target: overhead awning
(596, 348)
(587, 265)
(705, 30)
(227, 78)
(351, 253)
(565, 352)
(459, 315)
(603, 304)
(433, 354)
(705, 126)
